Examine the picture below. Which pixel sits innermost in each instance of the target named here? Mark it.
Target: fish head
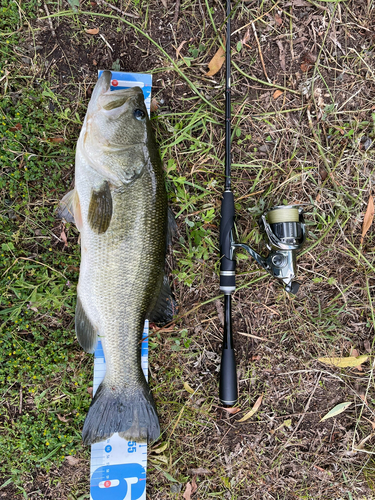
(116, 133)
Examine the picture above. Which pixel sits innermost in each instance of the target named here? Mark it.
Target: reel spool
(286, 232)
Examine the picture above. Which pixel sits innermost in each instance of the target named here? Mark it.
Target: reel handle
(228, 392)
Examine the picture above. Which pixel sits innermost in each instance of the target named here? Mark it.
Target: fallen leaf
(246, 37)
(56, 139)
(61, 418)
(369, 216)
(161, 448)
(286, 423)
(277, 94)
(179, 48)
(160, 458)
(188, 388)
(344, 362)
(278, 20)
(154, 105)
(194, 486)
(71, 460)
(232, 411)
(220, 311)
(17, 126)
(187, 493)
(253, 410)
(363, 397)
(64, 238)
(367, 346)
(216, 62)
(336, 410)
(92, 31)
(282, 54)
(164, 2)
(372, 423)
(200, 471)
(308, 60)
(90, 390)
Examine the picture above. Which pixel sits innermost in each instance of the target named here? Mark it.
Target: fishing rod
(285, 229)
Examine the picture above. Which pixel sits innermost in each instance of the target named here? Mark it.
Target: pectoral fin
(70, 209)
(86, 332)
(100, 209)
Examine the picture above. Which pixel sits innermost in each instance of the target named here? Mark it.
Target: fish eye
(139, 114)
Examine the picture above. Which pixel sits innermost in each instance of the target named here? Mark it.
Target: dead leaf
(61, 418)
(372, 423)
(281, 55)
(187, 493)
(154, 105)
(369, 216)
(349, 361)
(56, 139)
(367, 346)
(179, 48)
(188, 388)
(92, 31)
(164, 2)
(17, 127)
(232, 411)
(363, 397)
(287, 423)
(253, 410)
(277, 94)
(64, 238)
(200, 471)
(161, 448)
(336, 410)
(216, 62)
(307, 61)
(71, 460)
(194, 486)
(278, 20)
(220, 311)
(90, 390)
(354, 352)
(246, 37)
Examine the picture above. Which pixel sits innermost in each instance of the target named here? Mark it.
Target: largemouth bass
(119, 205)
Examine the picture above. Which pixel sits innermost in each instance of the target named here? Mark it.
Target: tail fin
(130, 412)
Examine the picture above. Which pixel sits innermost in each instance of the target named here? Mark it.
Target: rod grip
(227, 263)
(228, 392)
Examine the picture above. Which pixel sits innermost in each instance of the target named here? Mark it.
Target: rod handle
(228, 378)
(228, 392)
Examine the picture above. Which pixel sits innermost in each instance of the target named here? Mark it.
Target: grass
(312, 144)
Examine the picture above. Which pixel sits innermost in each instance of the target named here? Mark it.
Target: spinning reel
(285, 230)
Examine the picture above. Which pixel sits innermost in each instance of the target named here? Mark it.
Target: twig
(103, 2)
(50, 21)
(105, 41)
(260, 52)
(176, 11)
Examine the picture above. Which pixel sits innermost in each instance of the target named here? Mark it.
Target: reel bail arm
(286, 232)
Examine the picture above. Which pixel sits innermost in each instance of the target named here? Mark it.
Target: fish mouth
(116, 99)
(103, 97)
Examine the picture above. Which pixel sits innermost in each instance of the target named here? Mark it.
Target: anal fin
(86, 332)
